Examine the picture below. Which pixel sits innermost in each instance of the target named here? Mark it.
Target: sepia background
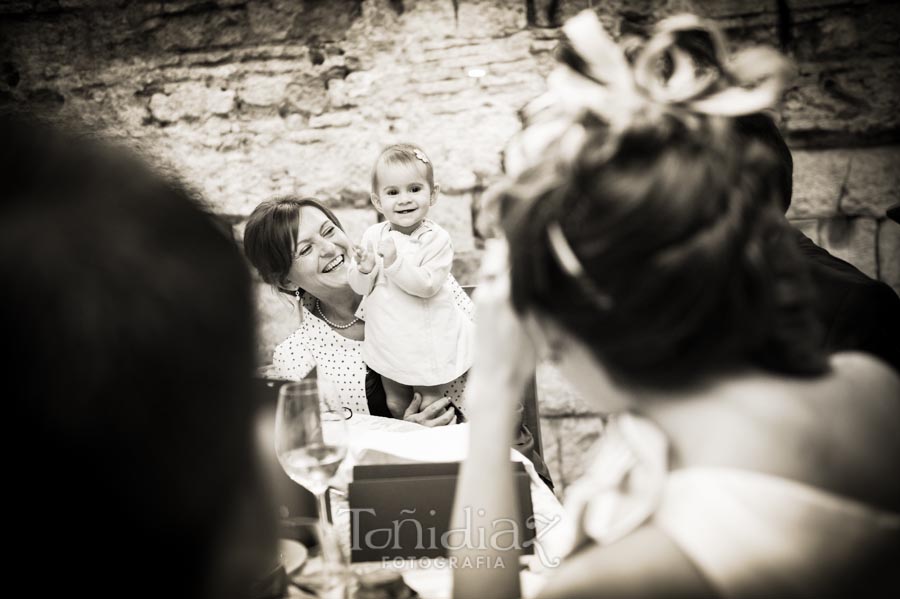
(247, 99)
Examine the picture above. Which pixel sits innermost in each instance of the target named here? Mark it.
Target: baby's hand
(388, 251)
(365, 260)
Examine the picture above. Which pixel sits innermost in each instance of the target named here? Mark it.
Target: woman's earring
(297, 293)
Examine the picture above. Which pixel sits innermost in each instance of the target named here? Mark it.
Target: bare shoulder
(867, 390)
(868, 375)
(857, 387)
(852, 440)
(837, 432)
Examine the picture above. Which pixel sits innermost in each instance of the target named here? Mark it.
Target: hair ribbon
(595, 77)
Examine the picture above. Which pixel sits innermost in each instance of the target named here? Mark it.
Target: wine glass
(311, 443)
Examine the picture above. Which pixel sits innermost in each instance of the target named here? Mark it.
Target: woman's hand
(439, 413)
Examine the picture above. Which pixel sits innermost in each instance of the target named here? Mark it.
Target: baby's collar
(424, 226)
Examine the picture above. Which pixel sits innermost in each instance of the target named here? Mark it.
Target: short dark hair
(761, 127)
(679, 228)
(270, 237)
(129, 317)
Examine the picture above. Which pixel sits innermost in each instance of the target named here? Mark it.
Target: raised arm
(364, 267)
(485, 495)
(424, 274)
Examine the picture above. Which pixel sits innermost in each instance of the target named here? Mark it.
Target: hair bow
(595, 77)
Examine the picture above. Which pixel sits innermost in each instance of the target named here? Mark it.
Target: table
(376, 440)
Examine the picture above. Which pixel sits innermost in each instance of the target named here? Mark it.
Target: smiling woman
(299, 247)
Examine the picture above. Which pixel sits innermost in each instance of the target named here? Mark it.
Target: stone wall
(247, 99)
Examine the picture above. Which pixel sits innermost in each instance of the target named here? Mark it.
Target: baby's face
(403, 195)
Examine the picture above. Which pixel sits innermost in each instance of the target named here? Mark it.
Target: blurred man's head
(127, 316)
(762, 128)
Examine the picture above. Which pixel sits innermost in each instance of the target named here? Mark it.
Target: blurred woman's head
(297, 244)
(658, 244)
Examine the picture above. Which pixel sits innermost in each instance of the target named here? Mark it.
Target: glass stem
(330, 551)
(322, 499)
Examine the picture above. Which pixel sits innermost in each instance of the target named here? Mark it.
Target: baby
(416, 337)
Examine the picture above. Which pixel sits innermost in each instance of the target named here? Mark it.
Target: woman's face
(575, 361)
(320, 256)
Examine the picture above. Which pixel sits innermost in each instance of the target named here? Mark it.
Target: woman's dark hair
(681, 228)
(128, 316)
(270, 237)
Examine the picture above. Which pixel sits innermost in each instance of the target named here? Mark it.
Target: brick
(520, 69)
(264, 129)
(889, 253)
(299, 134)
(191, 100)
(82, 4)
(837, 36)
(355, 88)
(808, 226)
(453, 106)
(480, 49)
(466, 266)
(427, 20)
(338, 96)
(874, 182)
(264, 90)
(449, 86)
(270, 22)
(308, 96)
(484, 18)
(527, 84)
(819, 178)
(577, 437)
(435, 72)
(331, 119)
(178, 6)
(15, 8)
(320, 22)
(556, 395)
(197, 31)
(844, 97)
(550, 442)
(853, 240)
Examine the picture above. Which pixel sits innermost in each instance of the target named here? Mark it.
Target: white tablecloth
(376, 440)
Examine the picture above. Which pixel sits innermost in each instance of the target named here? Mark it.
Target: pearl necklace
(331, 324)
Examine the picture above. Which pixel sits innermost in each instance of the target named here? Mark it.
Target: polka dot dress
(316, 345)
